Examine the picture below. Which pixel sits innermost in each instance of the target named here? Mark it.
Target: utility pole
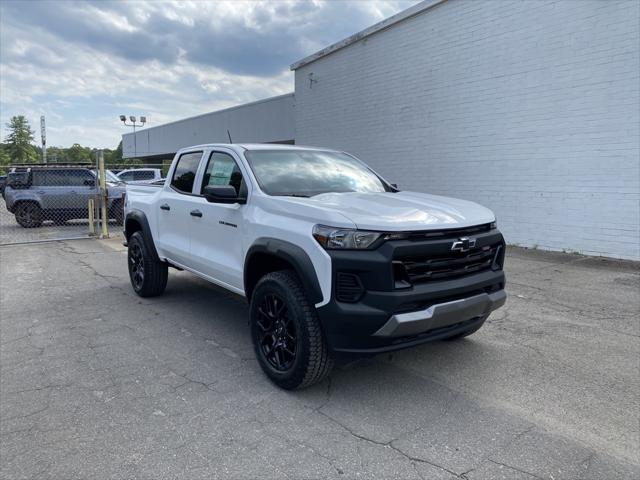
(43, 136)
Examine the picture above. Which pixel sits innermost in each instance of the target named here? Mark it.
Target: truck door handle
(195, 213)
(165, 207)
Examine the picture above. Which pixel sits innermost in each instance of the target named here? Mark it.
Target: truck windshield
(305, 173)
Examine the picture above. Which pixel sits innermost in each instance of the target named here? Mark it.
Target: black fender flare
(140, 217)
(292, 254)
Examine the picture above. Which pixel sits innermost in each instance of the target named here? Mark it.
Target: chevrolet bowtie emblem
(463, 244)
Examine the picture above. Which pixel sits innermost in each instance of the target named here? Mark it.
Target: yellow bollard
(103, 196)
(92, 225)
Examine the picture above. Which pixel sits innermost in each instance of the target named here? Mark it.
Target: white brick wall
(531, 108)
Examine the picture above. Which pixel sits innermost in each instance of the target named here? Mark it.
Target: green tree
(19, 140)
(5, 158)
(78, 154)
(56, 154)
(113, 157)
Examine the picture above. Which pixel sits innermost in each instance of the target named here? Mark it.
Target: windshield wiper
(299, 195)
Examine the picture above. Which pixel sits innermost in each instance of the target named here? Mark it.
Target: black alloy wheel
(286, 332)
(29, 215)
(147, 272)
(136, 266)
(277, 334)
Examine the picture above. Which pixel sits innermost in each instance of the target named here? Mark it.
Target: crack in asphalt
(38, 389)
(388, 444)
(516, 469)
(122, 376)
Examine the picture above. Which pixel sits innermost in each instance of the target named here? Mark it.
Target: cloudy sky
(81, 64)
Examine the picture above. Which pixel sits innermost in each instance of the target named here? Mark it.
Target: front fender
(293, 255)
(136, 220)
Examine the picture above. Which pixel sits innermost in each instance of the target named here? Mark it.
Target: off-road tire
(154, 272)
(29, 215)
(312, 362)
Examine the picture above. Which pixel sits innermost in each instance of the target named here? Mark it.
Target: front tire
(286, 333)
(29, 215)
(148, 276)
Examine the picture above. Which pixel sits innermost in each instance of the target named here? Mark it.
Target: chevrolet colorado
(332, 258)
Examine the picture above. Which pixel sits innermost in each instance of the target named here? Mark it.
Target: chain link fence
(45, 202)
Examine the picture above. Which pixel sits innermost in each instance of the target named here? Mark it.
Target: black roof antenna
(230, 141)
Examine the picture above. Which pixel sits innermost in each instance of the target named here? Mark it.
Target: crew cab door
(217, 228)
(173, 210)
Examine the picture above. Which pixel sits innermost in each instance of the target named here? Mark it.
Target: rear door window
(39, 178)
(58, 178)
(65, 178)
(184, 174)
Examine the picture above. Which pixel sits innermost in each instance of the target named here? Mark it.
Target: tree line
(18, 148)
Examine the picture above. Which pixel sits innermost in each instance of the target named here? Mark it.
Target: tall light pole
(133, 124)
(43, 136)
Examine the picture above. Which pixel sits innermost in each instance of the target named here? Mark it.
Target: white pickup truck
(332, 258)
(140, 175)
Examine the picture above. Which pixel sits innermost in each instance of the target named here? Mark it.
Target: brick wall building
(528, 107)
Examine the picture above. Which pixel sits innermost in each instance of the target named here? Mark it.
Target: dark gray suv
(56, 193)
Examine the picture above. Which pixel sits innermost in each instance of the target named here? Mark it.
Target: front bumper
(387, 318)
(441, 315)
(373, 325)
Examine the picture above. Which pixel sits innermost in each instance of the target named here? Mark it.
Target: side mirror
(222, 194)
(89, 182)
(394, 185)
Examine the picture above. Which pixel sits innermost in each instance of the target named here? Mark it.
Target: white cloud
(82, 64)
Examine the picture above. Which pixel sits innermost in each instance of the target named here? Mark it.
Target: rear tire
(285, 329)
(148, 276)
(29, 215)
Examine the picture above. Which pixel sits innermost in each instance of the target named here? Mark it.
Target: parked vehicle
(57, 193)
(140, 175)
(332, 258)
(111, 177)
(3, 183)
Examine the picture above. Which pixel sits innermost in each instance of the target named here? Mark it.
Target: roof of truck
(258, 146)
(49, 166)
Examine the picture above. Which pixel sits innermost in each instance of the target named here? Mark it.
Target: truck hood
(401, 211)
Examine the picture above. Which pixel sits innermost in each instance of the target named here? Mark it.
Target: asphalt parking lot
(11, 232)
(98, 383)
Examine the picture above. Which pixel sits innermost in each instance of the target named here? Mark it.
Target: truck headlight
(333, 238)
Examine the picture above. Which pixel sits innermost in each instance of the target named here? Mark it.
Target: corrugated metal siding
(270, 120)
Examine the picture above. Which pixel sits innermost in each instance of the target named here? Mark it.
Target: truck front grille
(419, 269)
